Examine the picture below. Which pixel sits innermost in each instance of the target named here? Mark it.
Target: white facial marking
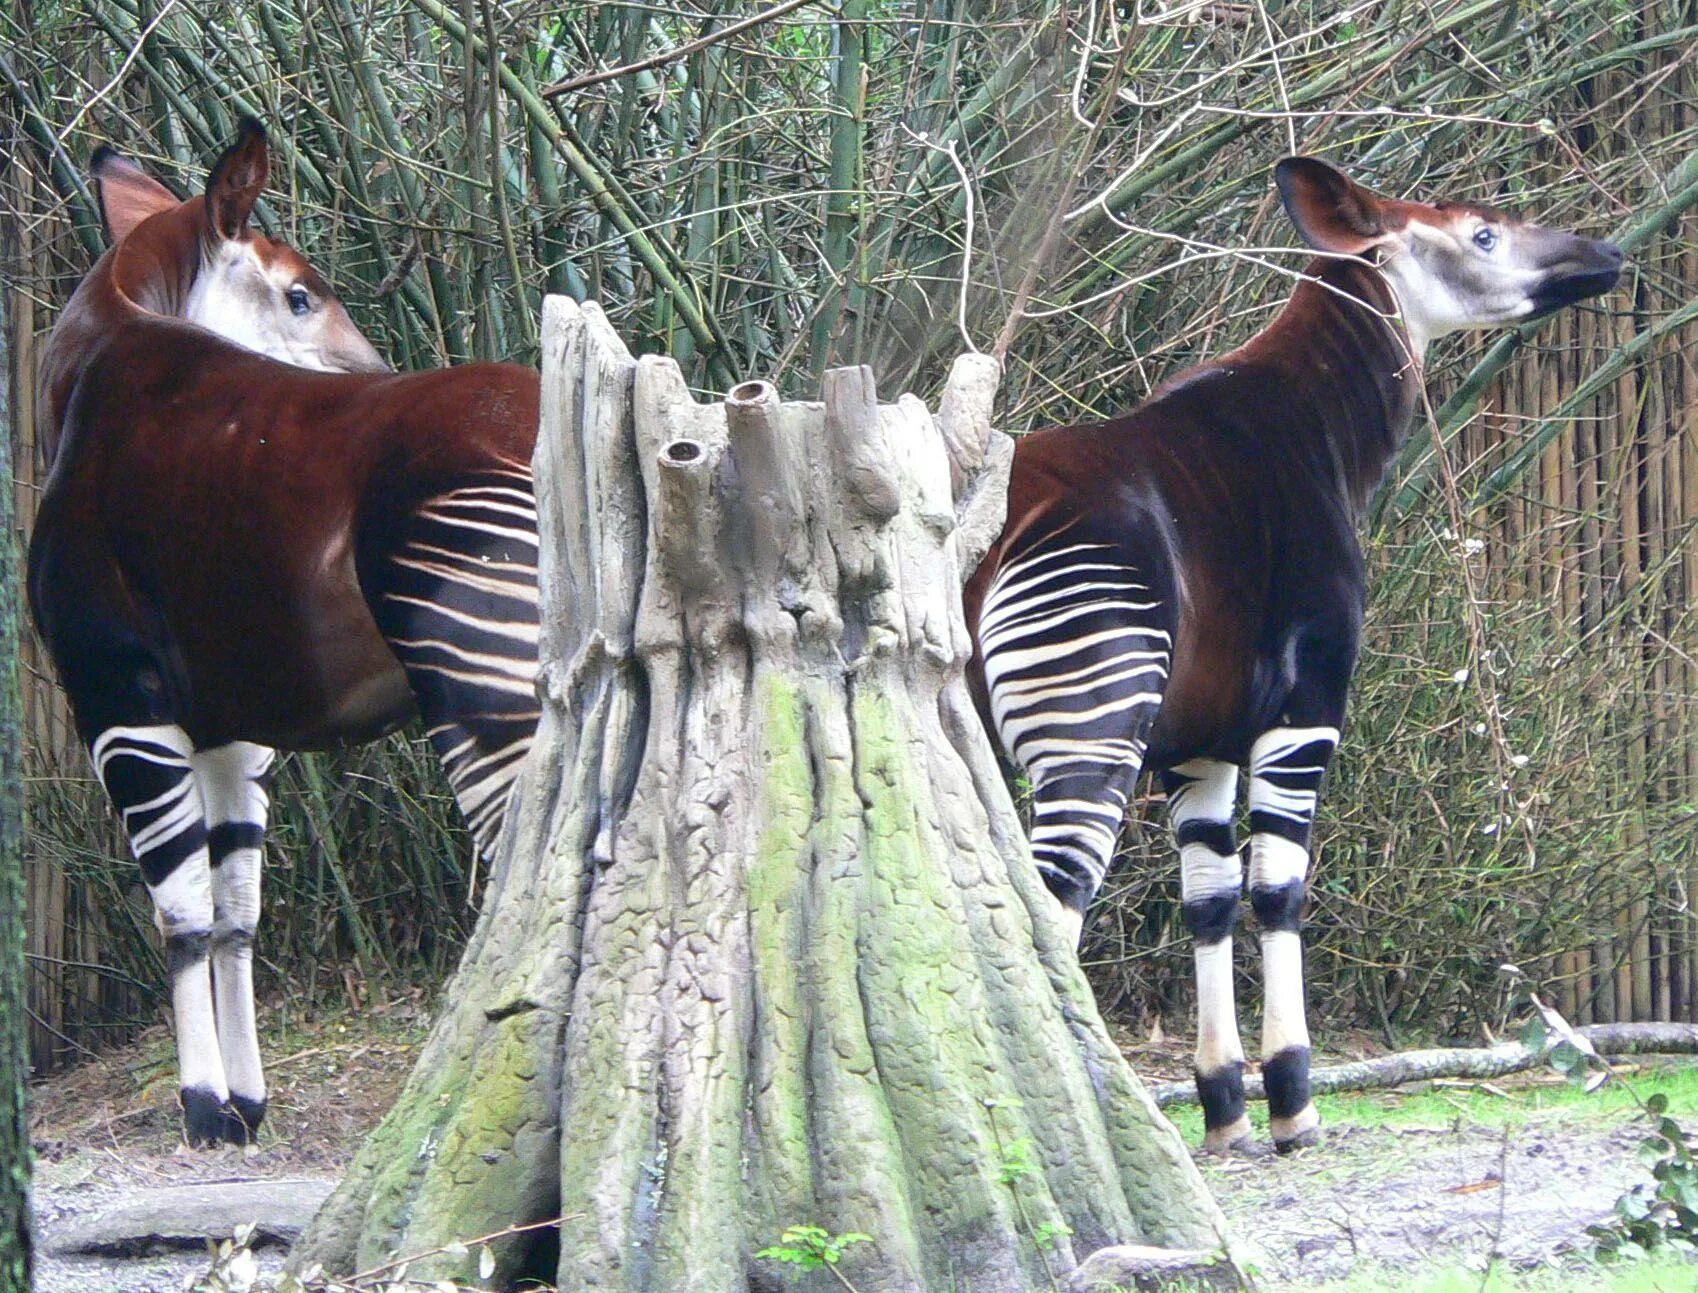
(1448, 277)
(244, 300)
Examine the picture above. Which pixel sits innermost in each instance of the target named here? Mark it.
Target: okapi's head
(1452, 265)
(248, 289)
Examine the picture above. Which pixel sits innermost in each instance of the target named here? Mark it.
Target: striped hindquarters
(1076, 651)
(459, 609)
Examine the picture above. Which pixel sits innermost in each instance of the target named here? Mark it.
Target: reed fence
(1086, 187)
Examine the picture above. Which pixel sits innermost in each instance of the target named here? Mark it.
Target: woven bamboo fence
(1520, 768)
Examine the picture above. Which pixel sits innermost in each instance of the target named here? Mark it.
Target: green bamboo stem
(1549, 426)
(600, 193)
(562, 277)
(66, 179)
(441, 297)
(323, 820)
(839, 285)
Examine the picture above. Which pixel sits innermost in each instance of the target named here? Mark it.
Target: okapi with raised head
(1182, 588)
(236, 554)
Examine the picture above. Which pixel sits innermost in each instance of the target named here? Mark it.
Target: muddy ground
(1406, 1196)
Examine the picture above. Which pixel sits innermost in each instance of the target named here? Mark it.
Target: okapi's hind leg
(148, 772)
(1076, 649)
(456, 599)
(1287, 765)
(235, 780)
(1201, 798)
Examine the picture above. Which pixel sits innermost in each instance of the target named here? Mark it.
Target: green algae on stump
(765, 946)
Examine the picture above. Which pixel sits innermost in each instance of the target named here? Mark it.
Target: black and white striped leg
(1075, 664)
(235, 781)
(148, 773)
(1201, 797)
(1287, 765)
(459, 608)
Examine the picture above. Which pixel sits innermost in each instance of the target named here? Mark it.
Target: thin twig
(123, 70)
(948, 150)
(674, 54)
(491, 1237)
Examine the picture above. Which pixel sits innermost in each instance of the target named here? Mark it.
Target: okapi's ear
(1331, 211)
(237, 181)
(127, 194)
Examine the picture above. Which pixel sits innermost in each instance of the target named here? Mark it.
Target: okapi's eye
(299, 301)
(1485, 237)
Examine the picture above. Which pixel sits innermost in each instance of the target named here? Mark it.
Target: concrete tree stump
(765, 946)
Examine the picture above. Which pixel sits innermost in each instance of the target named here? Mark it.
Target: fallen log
(1463, 1061)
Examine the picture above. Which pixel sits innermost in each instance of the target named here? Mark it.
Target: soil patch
(106, 1135)
(1411, 1197)
(1386, 1196)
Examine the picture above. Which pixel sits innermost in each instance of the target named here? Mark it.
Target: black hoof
(1302, 1140)
(1244, 1146)
(203, 1117)
(241, 1120)
(1247, 1147)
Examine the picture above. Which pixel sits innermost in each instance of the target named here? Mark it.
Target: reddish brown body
(1238, 487)
(281, 485)
(1182, 588)
(235, 554)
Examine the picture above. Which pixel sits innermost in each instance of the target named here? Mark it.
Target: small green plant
(812, 1248)
(1051, 1233)
(1017, 1161)
(1662, 1213)
(1017, 1164)
(1656, 1215)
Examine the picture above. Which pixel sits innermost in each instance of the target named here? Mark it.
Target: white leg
(148, 774)
(1286, 769)
(1201, 797)
(234, 780)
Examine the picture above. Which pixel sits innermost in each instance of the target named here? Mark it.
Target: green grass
(1520, 1101)
(1665, 1274)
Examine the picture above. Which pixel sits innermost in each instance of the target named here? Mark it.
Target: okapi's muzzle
(352, 353)
(1580, 268)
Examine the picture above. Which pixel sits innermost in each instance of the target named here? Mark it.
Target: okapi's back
(276, 486)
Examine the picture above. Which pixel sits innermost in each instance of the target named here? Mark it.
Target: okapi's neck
(1339, 341)
(146, 276)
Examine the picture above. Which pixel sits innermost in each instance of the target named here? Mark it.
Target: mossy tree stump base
(765, 946)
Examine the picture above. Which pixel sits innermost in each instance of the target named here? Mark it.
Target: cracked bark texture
(765, 945)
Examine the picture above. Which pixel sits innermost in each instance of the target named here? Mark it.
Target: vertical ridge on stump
(765, 946)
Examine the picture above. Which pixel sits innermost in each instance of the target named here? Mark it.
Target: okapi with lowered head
(237, 554)
(1182, 588)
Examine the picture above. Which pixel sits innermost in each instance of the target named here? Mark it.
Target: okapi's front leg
(1286, 768)
(235, 780)
(149, 775)
(1201, 798)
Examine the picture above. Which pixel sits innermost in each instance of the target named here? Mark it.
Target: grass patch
(1509, 1102)
(1663, 1274)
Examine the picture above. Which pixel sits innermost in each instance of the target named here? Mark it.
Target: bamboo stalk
(602, 194)
(839, 285)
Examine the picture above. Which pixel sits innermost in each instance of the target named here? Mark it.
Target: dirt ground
(106, 1131)
(1399, 1196)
